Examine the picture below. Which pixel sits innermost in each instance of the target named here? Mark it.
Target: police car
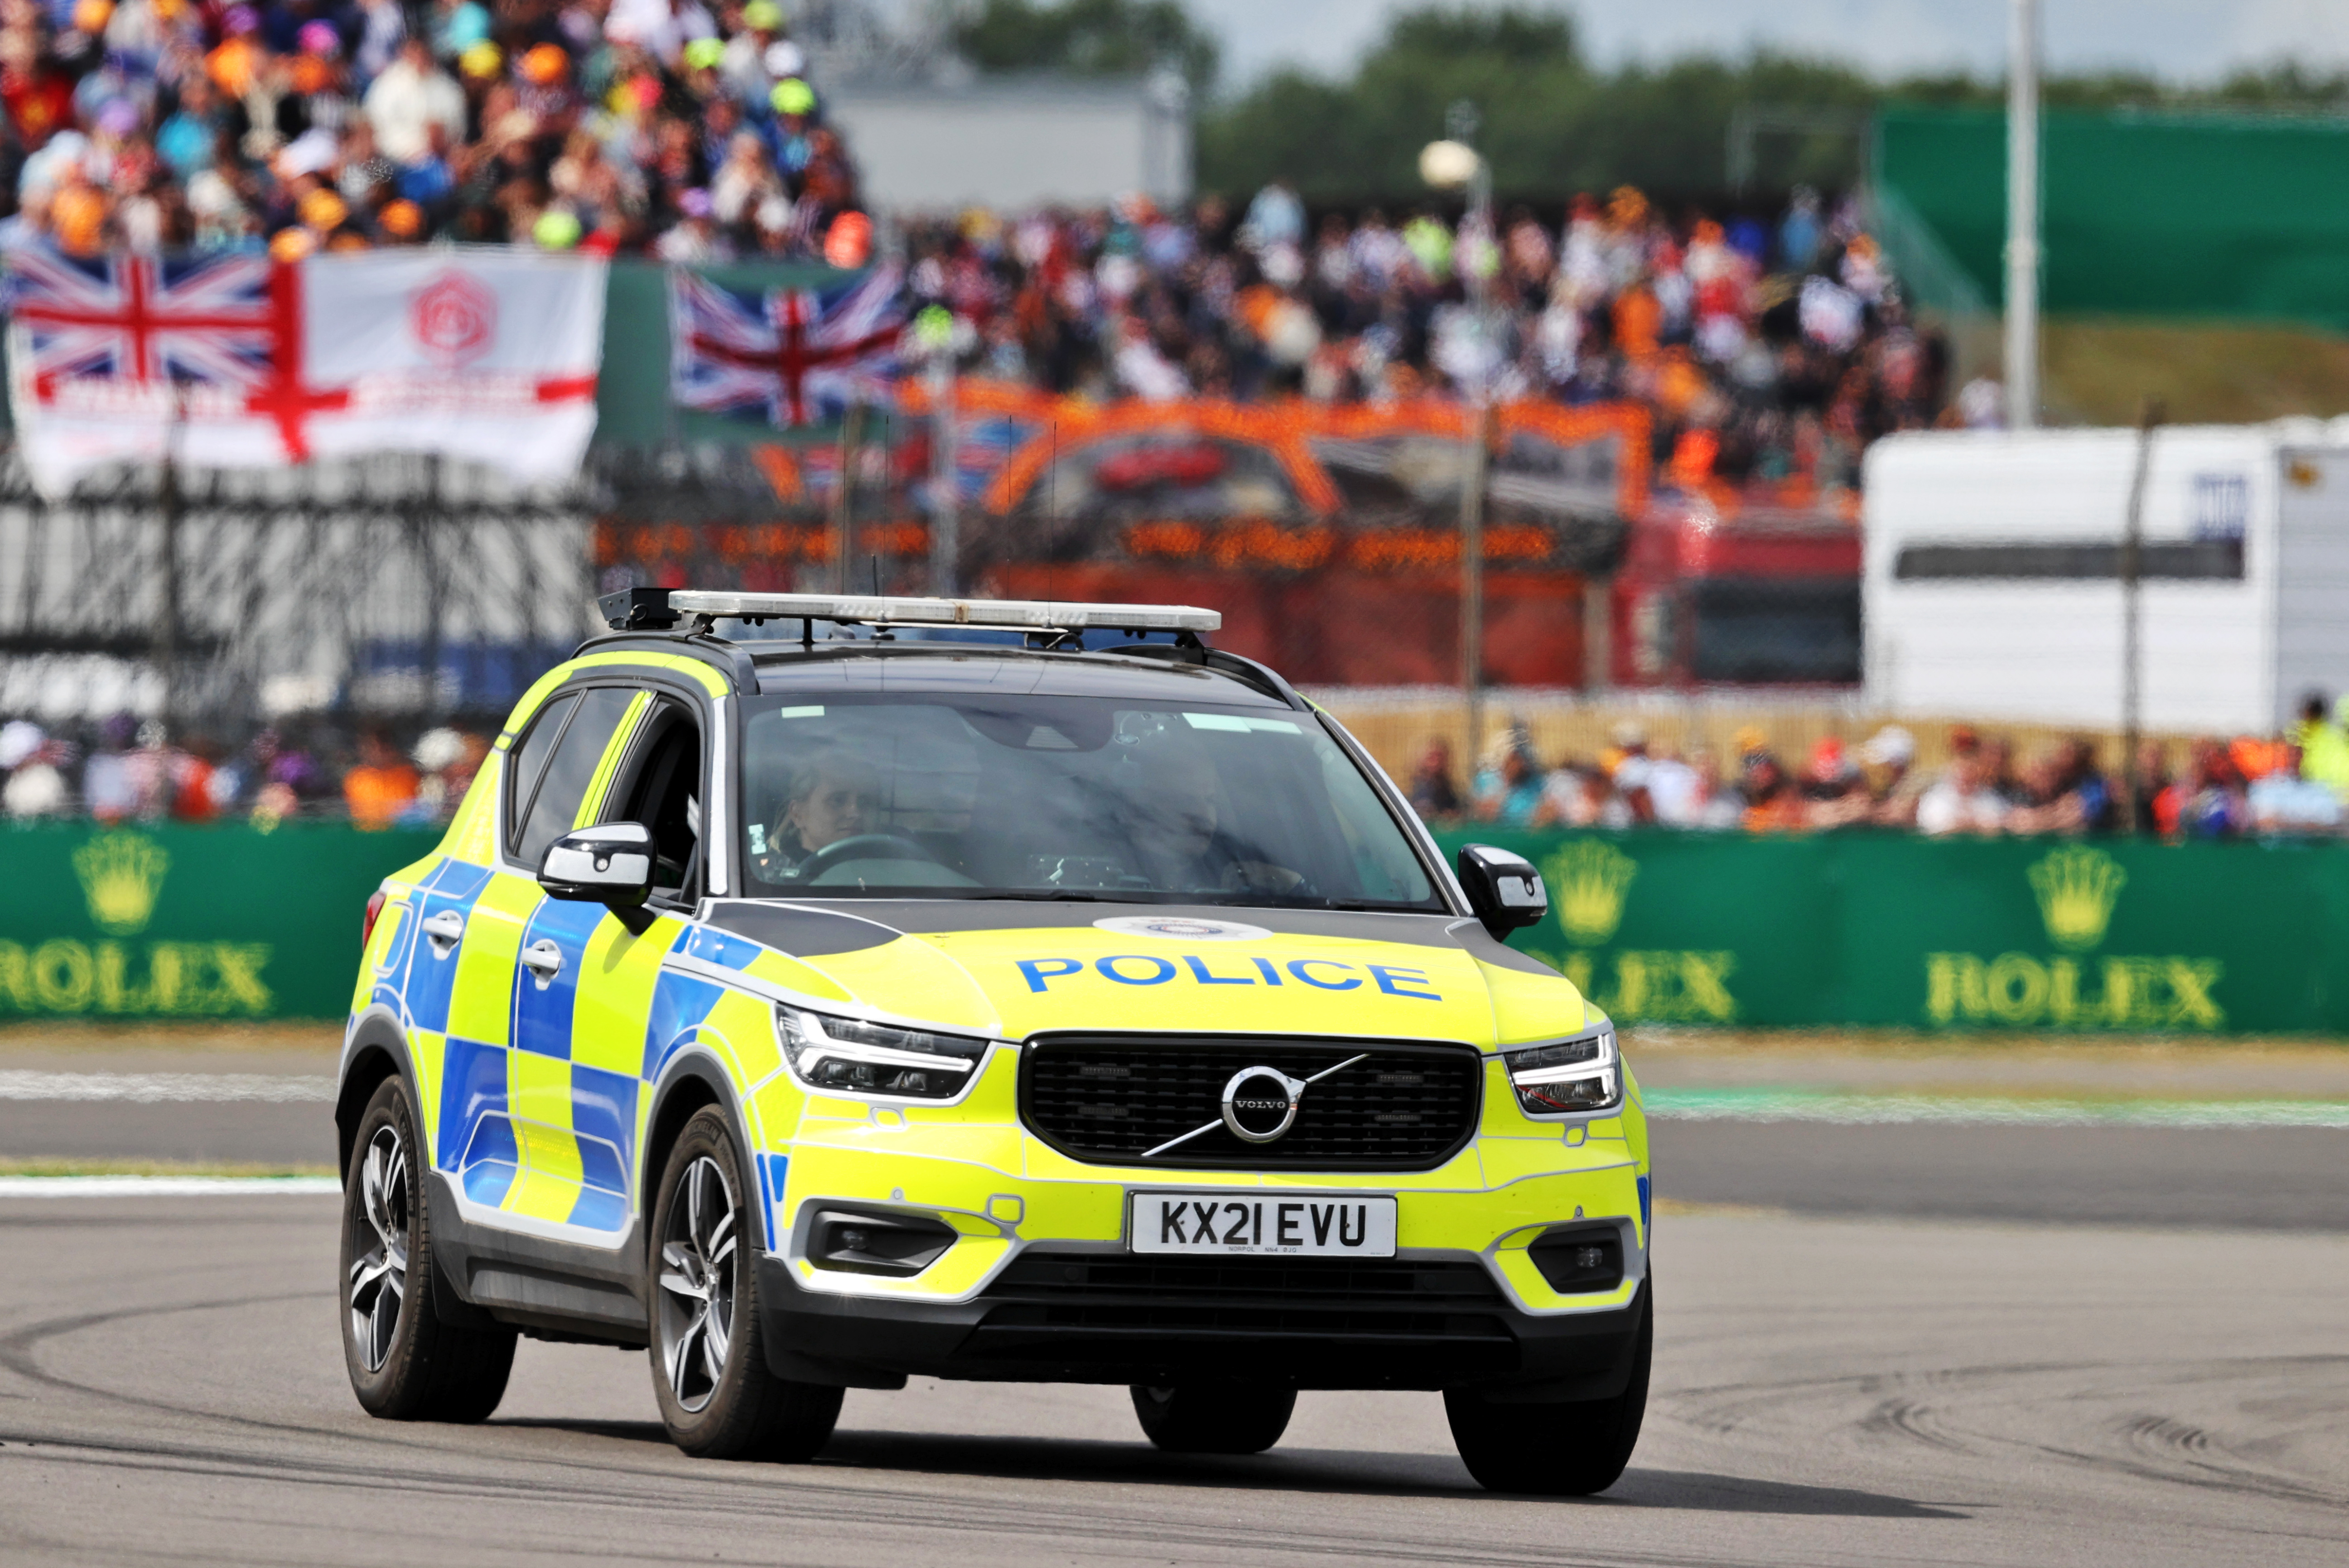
(986, 989)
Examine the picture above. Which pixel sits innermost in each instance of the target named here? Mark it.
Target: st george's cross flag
(243, 363)
(783, 356)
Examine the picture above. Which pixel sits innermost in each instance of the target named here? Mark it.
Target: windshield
(1081, 797)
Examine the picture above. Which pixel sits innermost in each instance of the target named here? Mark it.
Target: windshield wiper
(1342, 906)
(1071, 895)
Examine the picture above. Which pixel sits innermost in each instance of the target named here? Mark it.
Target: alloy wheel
(378, 1277)
(697, 1282)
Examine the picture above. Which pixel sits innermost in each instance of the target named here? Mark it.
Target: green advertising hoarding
(1840, 929)
(1894, 932)
(163, 921)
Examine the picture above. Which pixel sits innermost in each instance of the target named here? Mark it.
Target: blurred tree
(1553, 125)
(1088, 38)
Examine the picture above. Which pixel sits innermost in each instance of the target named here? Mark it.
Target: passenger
(1175, 824)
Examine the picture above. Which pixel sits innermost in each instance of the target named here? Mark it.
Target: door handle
(544, 962)
(442, 930)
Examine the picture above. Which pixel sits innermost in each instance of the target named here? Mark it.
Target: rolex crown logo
(120, 875)
(2076, 888)
(1592, 878)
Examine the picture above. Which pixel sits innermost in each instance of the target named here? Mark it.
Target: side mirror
(1503, 888)
(610, 864)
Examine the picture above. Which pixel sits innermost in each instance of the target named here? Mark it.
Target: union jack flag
(790, 355)
(210, 321)
(983, 445)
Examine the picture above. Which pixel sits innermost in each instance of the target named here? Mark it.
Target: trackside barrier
(1880, 931)
(165, 922)
(1892, 930)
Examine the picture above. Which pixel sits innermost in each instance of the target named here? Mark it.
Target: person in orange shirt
(1638, 318)
(381, 786)
(1772, 804)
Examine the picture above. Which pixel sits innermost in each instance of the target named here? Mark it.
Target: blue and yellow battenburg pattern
(533, 1099)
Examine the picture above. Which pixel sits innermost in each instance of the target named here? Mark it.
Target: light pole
(936, 336)
(2022, 216)
(1449, 164)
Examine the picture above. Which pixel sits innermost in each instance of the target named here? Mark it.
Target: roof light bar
(1038, 615)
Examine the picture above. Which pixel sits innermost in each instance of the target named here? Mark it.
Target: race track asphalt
(1878, 1343)
(1827, 1391)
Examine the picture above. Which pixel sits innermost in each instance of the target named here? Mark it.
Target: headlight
(1567, 1077)
(854, 1057)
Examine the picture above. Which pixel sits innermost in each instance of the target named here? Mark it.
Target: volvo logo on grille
(1260, 1103)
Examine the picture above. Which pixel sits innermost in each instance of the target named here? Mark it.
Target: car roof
(1159, 671)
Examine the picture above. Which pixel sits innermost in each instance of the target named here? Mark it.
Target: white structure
(1016, 143)
(1993, 583)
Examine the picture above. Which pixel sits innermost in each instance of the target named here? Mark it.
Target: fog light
(897, 1244)
(1579, 1260)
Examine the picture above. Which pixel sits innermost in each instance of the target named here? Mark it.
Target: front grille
(1406, 1107)
(1321, 1298)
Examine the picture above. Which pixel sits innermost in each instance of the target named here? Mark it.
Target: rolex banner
(148, 921)
(161, 921)
(1896, 932)
(238, 361)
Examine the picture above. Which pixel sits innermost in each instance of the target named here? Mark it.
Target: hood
(1012, 968)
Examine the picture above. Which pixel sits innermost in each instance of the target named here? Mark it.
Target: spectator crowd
(2296, 782)
(1772, 349)
(126, 771)
(1770, 352)
(677, 128)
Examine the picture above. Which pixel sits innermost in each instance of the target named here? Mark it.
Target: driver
(1175, 823)
(831, 796)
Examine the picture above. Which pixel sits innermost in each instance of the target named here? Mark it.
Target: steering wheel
(863, 846)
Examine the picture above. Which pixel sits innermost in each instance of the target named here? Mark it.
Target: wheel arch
(694, 1077)
(375, 1049)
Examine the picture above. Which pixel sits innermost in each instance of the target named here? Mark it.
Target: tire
(717, 1398)
(1566, 1450)
(406, 1363)
(1214, 1417)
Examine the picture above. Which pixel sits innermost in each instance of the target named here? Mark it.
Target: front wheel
(1214, 1417)
(406, 1362)
(1566, 1450)
(717, 1398)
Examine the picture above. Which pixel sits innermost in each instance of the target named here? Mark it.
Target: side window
(530, 762)
(571, 769)
(663, 791)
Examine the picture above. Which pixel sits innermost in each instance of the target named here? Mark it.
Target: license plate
(1268, 1225)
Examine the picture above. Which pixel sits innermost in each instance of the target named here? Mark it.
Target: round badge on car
(1260, 1103)
(1183, 929)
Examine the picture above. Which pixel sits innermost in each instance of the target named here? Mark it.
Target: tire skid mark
(1904, 1417)
(819, 1504)
(1723, 1408)
(2149, 1447)
(923, 1513)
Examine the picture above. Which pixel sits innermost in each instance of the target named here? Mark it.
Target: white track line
(1853, 1109)
(164, 1186)
(164, 1088)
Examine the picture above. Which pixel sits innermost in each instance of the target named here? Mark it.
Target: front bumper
(1076, 1315)
(1041, 1285)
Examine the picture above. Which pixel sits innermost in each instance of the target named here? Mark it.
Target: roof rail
(1246, 671)
(647, 608)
